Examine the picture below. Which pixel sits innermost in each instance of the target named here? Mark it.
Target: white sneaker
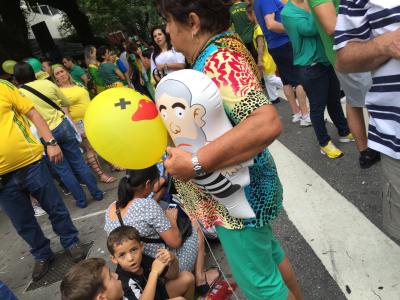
(296, 117)
(305, 121)
(38, 211)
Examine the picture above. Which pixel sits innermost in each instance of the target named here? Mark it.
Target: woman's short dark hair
(84, 280)
(23, 73)
(214, 14)
(101, 51)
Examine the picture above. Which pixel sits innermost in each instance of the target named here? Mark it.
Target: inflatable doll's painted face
(183, 121)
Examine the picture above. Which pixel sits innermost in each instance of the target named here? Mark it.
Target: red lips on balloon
(146, 111)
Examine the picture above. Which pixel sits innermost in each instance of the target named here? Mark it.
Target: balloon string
(216, 262)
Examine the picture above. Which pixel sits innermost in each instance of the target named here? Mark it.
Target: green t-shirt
(327, 40)
(76, 73)
(107, 73)
(306, 42)
(242, 24)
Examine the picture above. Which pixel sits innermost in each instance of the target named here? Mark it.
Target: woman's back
(107, 73)
(52, 116)
(146, 216)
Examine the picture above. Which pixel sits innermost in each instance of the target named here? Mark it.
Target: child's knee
(186, 277)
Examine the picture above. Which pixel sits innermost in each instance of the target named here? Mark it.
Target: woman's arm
(174, 66)
(85, 79)
(119, 74)
(272, 24)
(172, 236)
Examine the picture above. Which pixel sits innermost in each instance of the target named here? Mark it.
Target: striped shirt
(363, 20)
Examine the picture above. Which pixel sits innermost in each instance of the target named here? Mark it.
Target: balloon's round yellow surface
(8, 66)
(124, 127)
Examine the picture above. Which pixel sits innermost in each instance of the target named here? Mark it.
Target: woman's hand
(179, 164)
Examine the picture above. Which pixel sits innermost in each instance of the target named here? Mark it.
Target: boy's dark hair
(133, 180)
(214, 14)
(147, 53)
(101, 51)
(131, 48)
(23, 73)
(84, 280)
(69, 58)
(120, 235)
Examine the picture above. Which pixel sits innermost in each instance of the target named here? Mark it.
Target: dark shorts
(283, 57)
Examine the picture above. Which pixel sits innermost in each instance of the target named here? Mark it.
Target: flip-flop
(203, 289)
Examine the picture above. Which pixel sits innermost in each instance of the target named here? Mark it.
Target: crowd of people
(310, 49)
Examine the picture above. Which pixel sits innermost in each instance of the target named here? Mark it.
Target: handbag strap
(42, 97)
(144, 239)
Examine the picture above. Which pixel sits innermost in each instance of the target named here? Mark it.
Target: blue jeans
(36, 180)
(323, 90)
(6, 293)
(73, 163)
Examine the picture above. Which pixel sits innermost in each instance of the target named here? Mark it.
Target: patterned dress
(147, 216)
(229, 64)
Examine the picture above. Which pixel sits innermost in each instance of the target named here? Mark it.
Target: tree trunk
(13, 32)
(79, 20)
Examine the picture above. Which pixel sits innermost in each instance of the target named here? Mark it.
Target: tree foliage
(131, 16)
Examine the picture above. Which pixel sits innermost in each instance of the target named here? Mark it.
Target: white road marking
(90, 215)
(359, 257)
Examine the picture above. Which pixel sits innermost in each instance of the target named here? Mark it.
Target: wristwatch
(198, 169)
(52, 142)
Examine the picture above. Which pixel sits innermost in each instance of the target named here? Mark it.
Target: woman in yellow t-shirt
(79, 101)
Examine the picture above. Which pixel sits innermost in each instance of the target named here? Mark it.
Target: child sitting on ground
(91, 279)
(144, 277)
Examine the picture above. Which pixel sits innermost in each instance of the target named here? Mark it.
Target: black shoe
(368, 158)
(41, 268)
(76, 253)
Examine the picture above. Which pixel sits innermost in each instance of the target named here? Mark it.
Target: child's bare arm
(149, 291)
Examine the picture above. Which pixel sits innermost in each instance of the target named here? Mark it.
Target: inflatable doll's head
(191, 107)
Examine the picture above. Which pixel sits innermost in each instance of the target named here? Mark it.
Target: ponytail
(133, 180)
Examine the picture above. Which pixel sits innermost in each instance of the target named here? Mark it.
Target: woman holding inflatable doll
(225, 175)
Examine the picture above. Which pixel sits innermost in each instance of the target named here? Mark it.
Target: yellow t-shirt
(52, 116)
(18, 146)
(79, 101)
(268, 61)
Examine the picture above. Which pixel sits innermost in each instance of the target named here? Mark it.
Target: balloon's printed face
(146, 110)
(124, 127)
(183, 122)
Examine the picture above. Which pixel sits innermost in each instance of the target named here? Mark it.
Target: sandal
(94, 163)
(104, 178)
(204, 288)
(116, 168)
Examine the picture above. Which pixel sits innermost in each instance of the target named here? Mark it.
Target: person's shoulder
(6, 86)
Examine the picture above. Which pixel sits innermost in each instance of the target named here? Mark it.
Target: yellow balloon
(124, 127)
(8, 66)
